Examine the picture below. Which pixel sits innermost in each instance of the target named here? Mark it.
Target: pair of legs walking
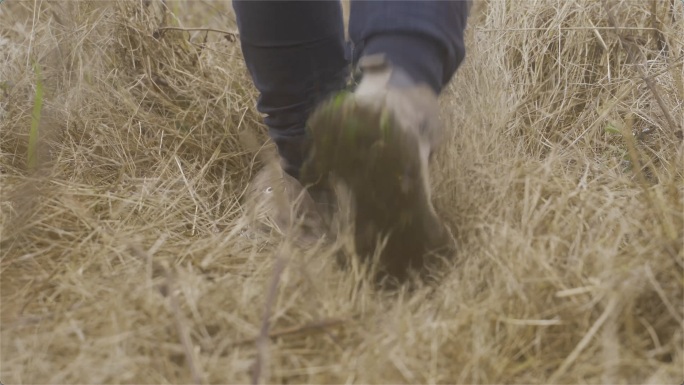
(377, 141)
(297, 54)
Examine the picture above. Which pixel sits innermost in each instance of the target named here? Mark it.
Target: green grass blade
(35, 118)
(611, 129)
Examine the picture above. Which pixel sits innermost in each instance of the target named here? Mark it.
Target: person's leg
(424, 38)
(378, 140)
(296, 54)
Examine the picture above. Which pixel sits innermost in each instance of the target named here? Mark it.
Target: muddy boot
(378, 140)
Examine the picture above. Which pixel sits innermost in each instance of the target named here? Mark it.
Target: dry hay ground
(128, 255)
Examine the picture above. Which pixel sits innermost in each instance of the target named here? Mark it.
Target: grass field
(129, 253)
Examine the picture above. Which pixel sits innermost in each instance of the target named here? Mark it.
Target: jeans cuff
(420, 56)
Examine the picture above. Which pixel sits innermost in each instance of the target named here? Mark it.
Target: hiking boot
(305, 215)
(378, 141)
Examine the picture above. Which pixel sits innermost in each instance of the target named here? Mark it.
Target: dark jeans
(297, 54)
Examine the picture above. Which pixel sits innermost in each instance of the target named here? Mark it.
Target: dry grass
(560, 175)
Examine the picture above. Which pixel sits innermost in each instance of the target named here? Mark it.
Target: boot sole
(380, 163)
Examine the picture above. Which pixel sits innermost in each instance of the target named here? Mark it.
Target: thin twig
(37, 318)
(612, 304)
(183, 333)
(649, 81)
(662, 295)
(562, 29)
(261, 365)
(310, 327)
(531, 322)
(233, 34)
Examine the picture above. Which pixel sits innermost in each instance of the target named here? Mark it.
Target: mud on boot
(377, 140)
